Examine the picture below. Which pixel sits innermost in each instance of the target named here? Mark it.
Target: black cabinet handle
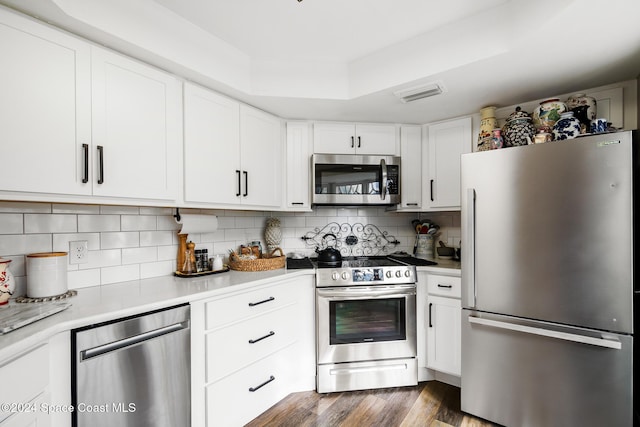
(412, 204)
(271, 378)
(430, 325)
(352, 142)
(101, 160)
(253, 304)
(246, 183)
(85, 151)
(431, 190)
(270, 334)
(239, 185)
(445, 286)
(297, 203)
(359, 142)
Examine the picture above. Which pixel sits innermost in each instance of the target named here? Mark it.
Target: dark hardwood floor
(430, 404)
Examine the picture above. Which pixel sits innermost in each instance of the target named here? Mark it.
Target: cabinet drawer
(233, 309)
(234, 347)
(35, 365)
(448, 286)
(230, 402)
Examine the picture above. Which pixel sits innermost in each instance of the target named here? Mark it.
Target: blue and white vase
(568, 127)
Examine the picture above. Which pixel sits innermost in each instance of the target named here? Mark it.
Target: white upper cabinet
(261, 155)
(411, 167)
(447, 141)
(136, 128)
(232, 152)
(44, 108)
(211, 147)
(350, 138)
(298, 166)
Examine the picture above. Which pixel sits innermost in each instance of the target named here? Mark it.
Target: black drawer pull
(239, 184)
(270, 334)
(430, 324)
(297, 203)
(271, 378)
(85, 177)
(431, 187)
(246, 183)
(101, 162)
(253, 304)
(445, 286)
(352, 145)
(359, 142)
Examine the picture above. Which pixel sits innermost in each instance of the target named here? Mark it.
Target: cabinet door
(298, 166)
(211, 147)
(44, 108)
(334, 138)
(261, 158)
(136, 121)
(411, 167)
(376, 139)
(443, 335)
(447, 141)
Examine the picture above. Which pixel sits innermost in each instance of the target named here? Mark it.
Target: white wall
(130, 242)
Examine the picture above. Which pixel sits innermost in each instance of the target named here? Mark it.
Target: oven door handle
(365, 293)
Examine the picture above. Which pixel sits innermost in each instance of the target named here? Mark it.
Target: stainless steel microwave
(344, 179)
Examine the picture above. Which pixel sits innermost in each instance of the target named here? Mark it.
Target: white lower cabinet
(250, 349)
(438, 328)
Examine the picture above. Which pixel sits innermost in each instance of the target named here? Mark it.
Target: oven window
(347, 179)
(356, 321)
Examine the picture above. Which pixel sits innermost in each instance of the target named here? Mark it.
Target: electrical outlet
(78, 252)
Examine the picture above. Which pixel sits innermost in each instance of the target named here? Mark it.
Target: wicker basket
(267, 262)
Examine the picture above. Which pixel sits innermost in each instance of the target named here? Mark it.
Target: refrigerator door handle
(470, 241)
(600, 342)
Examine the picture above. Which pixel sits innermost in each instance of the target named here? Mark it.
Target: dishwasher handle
(130, 341)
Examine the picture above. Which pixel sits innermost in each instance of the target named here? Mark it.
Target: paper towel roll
(192, 223)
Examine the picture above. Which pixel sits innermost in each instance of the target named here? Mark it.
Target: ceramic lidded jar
(584, 109)
(568, 127)
(488, 122)
(518, 130)
(548, 113)
(7, 283)
(497, 141)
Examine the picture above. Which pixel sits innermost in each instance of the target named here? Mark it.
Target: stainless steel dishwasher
(133, 372)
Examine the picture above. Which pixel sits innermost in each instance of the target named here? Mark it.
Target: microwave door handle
(383, 184)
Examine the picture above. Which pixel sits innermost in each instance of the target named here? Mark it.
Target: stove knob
(345, 276)
(389, 274)
(398, 273)
(335, 275)
(407, 273)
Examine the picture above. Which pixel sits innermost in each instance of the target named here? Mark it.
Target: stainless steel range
(366, 325)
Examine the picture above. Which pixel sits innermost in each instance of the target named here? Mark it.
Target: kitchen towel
(192, 223)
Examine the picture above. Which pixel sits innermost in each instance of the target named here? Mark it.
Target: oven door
(363, 323)
(355, 179)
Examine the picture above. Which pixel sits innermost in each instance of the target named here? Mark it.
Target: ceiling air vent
(419, 92)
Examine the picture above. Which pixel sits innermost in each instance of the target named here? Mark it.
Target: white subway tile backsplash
(157, 269)
(20, 244)
(237, 234)
(119, 210)
(156, 238)
(105, 258)
(245, 222)
(17, 266)
(123, 239)
(11, 223)
(83, 278)
(97, 223)
(167, 223)
(137, 222)
(50, 223)
(167, 253)
(226, 222)
(139, 255)
(156, 211)
(121, 273)
(75, 209)
(61, 241)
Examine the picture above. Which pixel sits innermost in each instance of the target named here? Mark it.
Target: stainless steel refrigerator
(548, 282)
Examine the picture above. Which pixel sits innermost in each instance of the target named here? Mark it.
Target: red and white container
(47, 274)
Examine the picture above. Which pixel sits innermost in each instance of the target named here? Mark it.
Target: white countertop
(108, 302)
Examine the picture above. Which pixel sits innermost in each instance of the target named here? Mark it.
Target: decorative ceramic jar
(568, 127)
(541, 137)
(488, 122)
(273, 234)
(548, 113)
(496, 139)
(584, 109)
(518, 130)
(7, 284)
